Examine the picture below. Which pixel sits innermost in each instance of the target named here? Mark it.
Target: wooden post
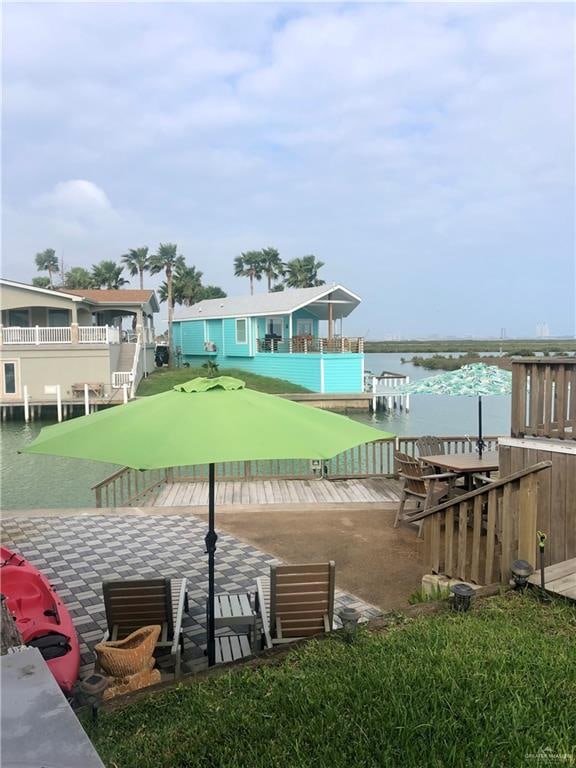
(26, 404)
(59, 401)
(86, 400)
(125, 392)
(9, 635)
(330, 318)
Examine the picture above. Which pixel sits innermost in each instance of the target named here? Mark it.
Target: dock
(277, 491)
(385, 391)
(560, 579)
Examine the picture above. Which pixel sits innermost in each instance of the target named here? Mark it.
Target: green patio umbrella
(475, 380)
(204, 421)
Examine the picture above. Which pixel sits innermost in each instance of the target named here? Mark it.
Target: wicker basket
(122, 658)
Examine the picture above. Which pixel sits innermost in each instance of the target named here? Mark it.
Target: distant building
(71, 338)
(295, 335)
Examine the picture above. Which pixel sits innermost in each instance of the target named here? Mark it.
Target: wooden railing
(544, 398)
(452, 444)
(86, 334)
(310, 344)
(477, 536)
(376, 459)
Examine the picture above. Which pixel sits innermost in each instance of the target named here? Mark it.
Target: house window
(19, 318)
(304, 327)
(9, 378)
(274, 326)
(58, 318)
(241, 330)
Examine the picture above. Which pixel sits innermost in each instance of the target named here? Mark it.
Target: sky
(424, 151)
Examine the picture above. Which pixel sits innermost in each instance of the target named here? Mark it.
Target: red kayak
(41, 617)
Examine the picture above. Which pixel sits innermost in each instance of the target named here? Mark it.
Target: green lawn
(165, 378)
(488, 688)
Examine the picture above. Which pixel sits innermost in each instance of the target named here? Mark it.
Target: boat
(40, 616)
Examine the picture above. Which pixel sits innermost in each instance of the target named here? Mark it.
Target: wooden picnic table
(466, 464)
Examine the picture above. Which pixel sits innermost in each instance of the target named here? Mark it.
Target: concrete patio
(78, 550)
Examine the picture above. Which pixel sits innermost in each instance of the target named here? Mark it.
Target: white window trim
(245, 332)
(15, 395)
(272, 318)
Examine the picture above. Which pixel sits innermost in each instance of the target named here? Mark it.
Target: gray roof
(280, 303)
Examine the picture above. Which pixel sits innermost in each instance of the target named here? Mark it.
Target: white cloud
(418, 132)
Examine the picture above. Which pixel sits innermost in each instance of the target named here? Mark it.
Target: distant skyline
(424, 152)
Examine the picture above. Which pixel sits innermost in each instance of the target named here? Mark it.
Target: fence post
(26, 404)
(86, 400)
(59, 401)
(125, 389)
(36, 335)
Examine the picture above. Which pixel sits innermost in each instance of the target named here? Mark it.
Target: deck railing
(311, 344)
(544, 398)
(376, 459)
(37, 335)
(477, 536)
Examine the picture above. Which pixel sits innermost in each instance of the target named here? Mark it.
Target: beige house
(57, 341)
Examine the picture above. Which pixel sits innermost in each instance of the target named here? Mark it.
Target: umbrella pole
(211, 539)
(480, 441)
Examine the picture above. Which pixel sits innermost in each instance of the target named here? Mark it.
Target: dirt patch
(375, 561)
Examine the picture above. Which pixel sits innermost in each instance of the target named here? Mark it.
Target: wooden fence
(376, 459)
(544, 398)
(477, 536)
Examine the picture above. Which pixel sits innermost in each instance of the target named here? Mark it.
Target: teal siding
(214, 334)
(343, 373)
(231, 347)
(177, 335)
(192, 337)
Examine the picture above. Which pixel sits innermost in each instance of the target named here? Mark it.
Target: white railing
(98, 334)
(119, 378)
(37, 335)
(134, 381)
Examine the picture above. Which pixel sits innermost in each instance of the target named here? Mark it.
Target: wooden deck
(258, 492)
(559, 579)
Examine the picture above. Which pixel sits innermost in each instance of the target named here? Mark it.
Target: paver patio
(77, 553)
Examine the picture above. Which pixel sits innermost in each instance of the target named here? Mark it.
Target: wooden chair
(136, 603)
(428, 445)
(426, 490)
(296, 601)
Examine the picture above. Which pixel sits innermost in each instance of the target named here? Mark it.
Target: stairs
(126, 359)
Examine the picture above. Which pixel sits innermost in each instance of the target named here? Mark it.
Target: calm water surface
(50, 481)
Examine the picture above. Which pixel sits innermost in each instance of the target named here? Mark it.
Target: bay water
(30, 481)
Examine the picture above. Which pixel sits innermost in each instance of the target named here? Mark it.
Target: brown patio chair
(428, 445)
(136, 603)
(426, 490)
(296, 601)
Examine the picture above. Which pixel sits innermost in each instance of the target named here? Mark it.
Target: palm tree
(212, 292)
(137, 262)
(41, 282)
(303, 273)
(186, 285)
(249, 264)
(77, 277)
(272, 265)
(47, 261)
(107, 274)
(167, 260)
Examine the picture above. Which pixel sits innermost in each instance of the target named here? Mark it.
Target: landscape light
(91, 690)
(349, 618)
(463, 594)
(521, 571)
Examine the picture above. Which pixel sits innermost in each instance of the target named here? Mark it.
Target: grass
(165, 378)
(516, 347)
(484, 689)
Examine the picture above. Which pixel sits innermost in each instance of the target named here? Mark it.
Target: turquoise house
(294, 334)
